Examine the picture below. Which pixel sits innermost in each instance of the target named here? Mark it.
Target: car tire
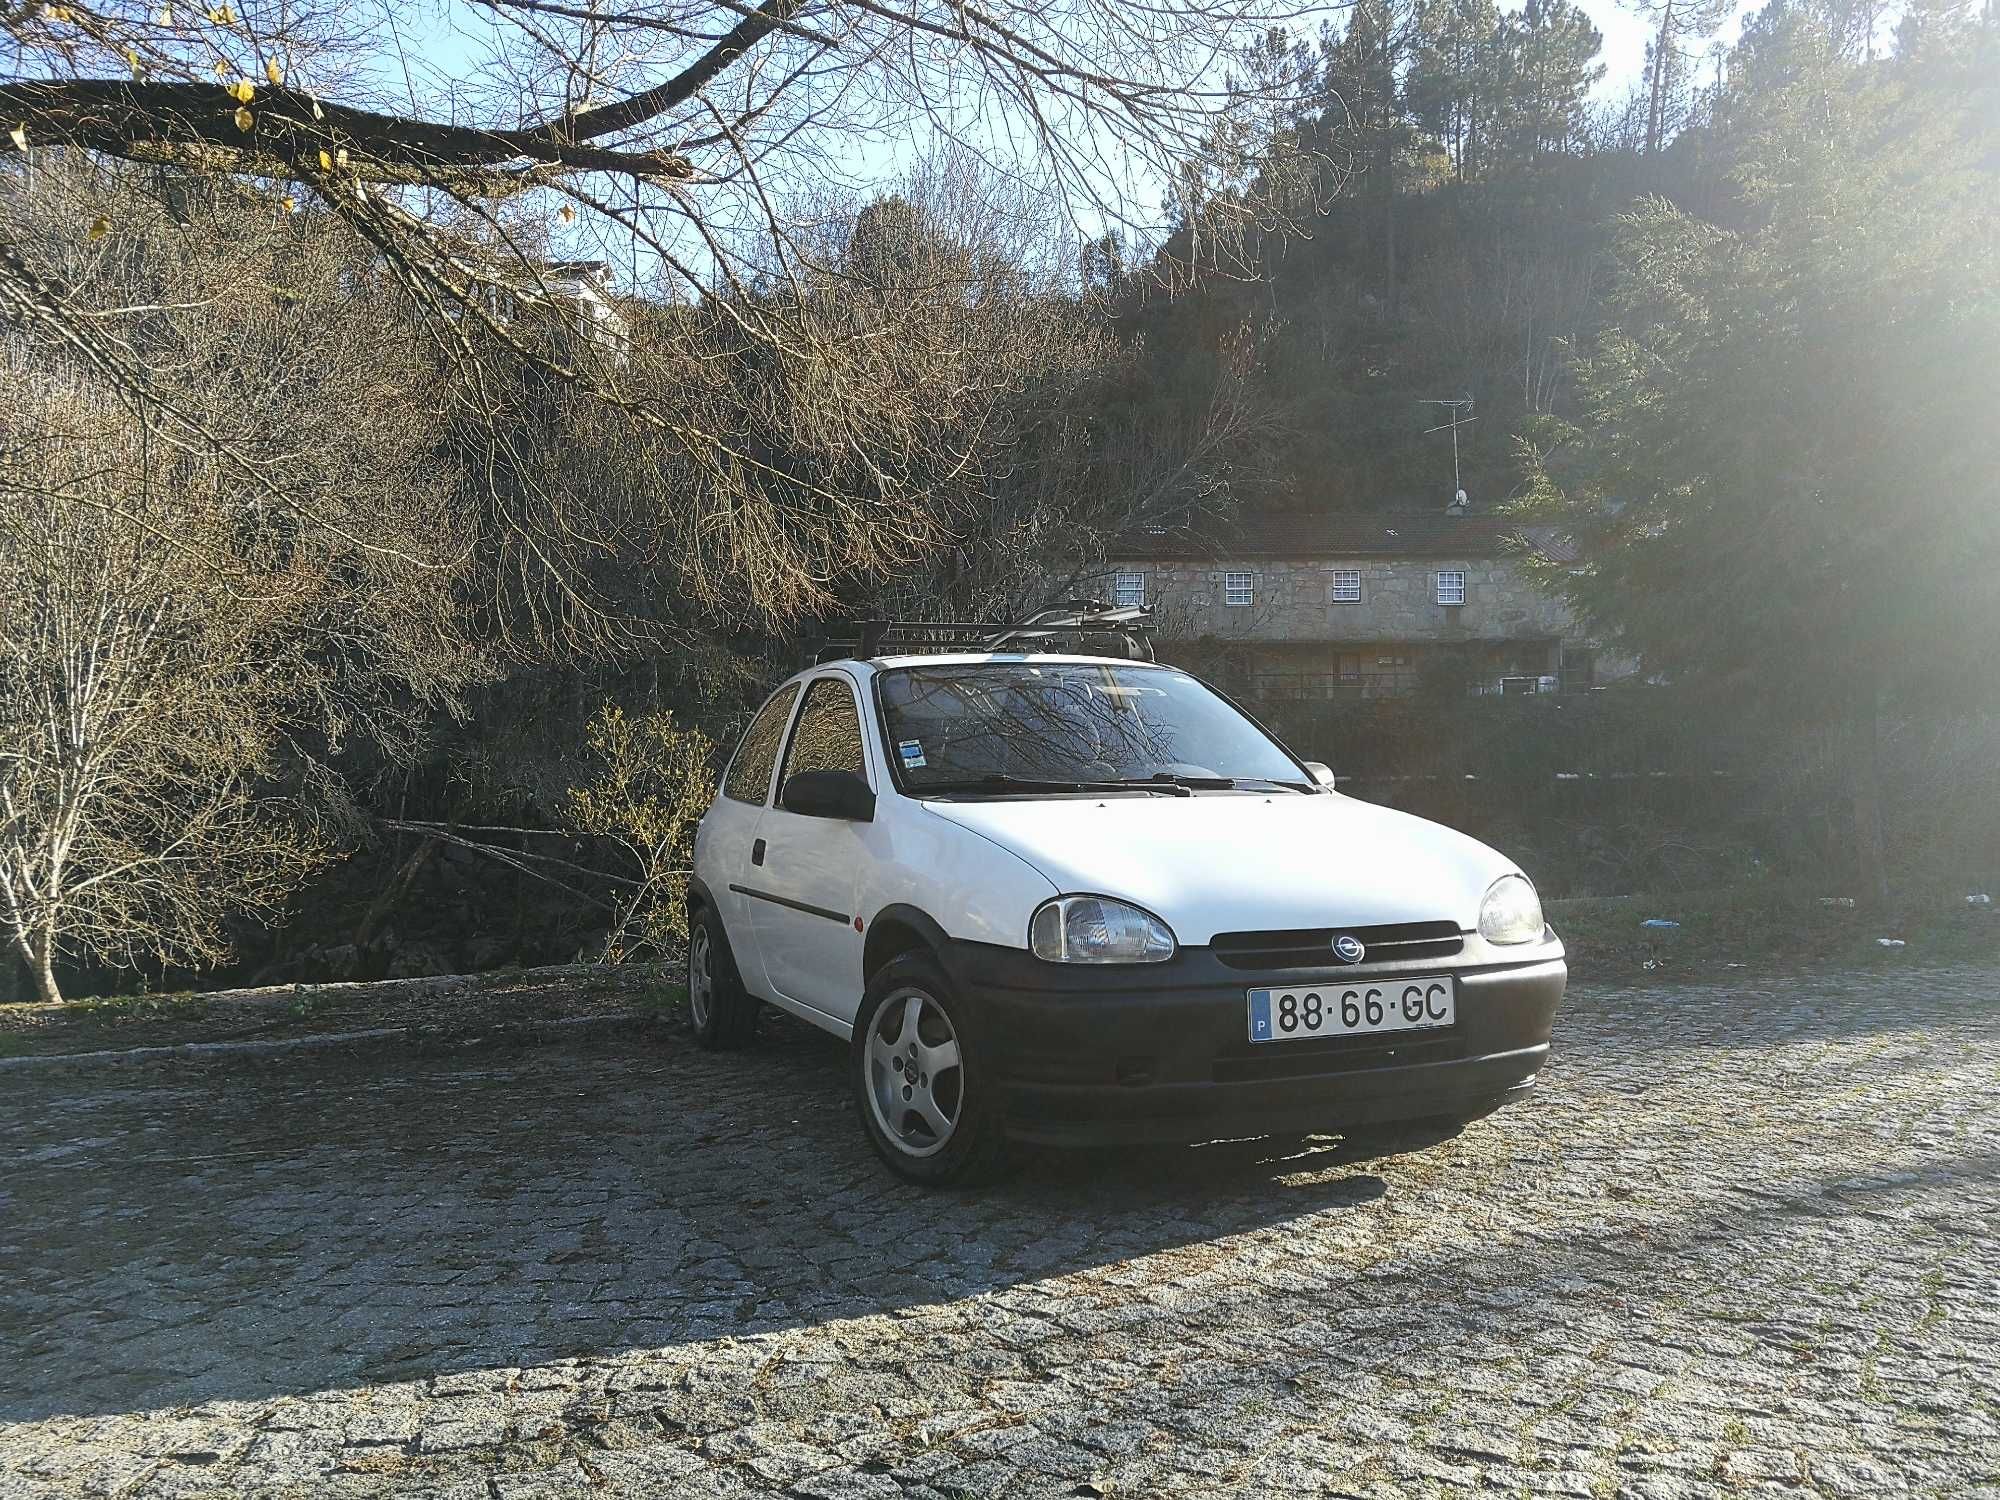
(722, 1013)
(943, 1124)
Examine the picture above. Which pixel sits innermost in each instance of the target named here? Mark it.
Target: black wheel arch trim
(917, 920)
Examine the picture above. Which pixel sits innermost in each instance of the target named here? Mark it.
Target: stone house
(1359, 605)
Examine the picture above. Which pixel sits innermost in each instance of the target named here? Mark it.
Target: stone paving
(1744, 1242)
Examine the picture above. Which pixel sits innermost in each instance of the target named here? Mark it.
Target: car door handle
(757, 852)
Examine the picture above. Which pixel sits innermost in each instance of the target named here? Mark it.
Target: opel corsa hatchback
(1070, 900)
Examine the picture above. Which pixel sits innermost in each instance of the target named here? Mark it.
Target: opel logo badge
(1347, 948)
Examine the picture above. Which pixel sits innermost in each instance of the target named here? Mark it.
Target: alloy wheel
(916, 1082)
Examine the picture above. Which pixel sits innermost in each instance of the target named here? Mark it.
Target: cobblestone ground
(1744, 1242)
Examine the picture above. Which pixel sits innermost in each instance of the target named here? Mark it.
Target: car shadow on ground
(188, 1236)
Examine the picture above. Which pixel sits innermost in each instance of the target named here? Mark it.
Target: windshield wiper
(1213, 783)
(999, 783)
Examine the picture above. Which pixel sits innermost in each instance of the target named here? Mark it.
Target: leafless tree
(176, 630)
(1087, 470)
(273, 318)
(694, 143)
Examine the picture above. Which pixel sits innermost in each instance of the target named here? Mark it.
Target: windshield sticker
(912, 752)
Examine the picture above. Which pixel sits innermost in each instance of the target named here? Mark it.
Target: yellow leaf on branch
(99, 227)
(244, 119)
(19, 136)
(271, 72)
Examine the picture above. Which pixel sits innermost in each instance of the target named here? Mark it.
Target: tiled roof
(1343, 534)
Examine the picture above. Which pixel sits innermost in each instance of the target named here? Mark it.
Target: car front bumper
(1160, 1052)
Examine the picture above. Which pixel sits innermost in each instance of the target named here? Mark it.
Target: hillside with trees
(1463, 239)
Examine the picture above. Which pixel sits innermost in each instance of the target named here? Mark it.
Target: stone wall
(1291, 601)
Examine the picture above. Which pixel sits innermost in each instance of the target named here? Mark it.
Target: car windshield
(1014, 727)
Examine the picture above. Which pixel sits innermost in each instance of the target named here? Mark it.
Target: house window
(1236, 587)
(1346, 586)
(1451, 586)
(1128, 589)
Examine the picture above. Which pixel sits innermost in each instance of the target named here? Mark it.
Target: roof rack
(1087, 627)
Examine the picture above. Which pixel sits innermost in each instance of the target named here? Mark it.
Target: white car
(1078, 899)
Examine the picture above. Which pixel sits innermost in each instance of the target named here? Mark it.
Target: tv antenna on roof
(1460, 408)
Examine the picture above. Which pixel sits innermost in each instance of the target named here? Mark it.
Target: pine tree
(1456, 78)
(1366, 120)
(1785, 478)
(1552, 48)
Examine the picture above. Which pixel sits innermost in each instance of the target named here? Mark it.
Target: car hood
(1246, 863)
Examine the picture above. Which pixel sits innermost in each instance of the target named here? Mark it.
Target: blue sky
(1624, 54)
(437, 43)
(1625, 36)
(430, 42)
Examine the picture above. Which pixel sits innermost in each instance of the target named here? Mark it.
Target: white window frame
(1346, 587)
(1449, 586)
(1235, 582)
(1128, 589)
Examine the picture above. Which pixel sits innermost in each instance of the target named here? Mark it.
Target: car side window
(828, 735)
(750, 773)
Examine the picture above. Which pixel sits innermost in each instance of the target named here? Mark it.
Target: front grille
(1312, 947)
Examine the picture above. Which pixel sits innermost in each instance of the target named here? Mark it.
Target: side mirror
(1322, 773)
(829, 794)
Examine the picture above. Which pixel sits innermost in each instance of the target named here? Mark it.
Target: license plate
(1416, 1002)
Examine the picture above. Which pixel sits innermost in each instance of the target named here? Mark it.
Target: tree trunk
(1389, 228)
(1656, 103)
(1871, 865)
(41, 959)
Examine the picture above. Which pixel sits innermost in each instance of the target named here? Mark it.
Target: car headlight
(1511, 912)
(1098, 930)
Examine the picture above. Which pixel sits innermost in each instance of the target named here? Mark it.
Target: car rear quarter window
(750, 773)
(828, 735)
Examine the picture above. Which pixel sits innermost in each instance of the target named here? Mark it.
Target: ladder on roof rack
(1097, 630)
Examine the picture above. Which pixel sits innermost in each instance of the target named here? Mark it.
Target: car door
(726, 852)
(802, 895)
